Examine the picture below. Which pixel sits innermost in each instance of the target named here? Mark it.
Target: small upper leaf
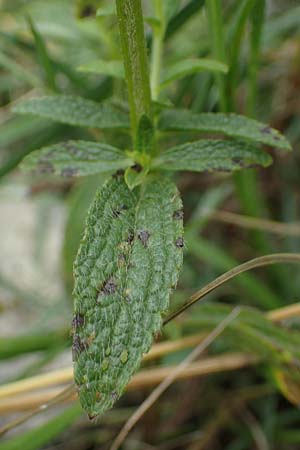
(190, 66)
(212, 155)
(76, 158)
(74, 110)
(232, 125)
(99, 66)
(134, 176)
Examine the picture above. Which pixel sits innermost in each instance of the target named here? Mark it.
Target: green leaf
(212, 155)
(170, 8)
(153, 22)
(232, 125)
(251, 331)
(145, 135)
(37, 438)
(190, 66)
(111, 68)
(76, 158)
(43, 56)
(134, 176)
(128, 261)
(75, 111)
(18, 70)
(107, 10)
(180, 19)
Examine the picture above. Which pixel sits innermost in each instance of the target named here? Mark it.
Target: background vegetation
(244, 391)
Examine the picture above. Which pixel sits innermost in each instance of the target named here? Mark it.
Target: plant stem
(157, 50)
(257, 23)
(218, 45)
(131, 28)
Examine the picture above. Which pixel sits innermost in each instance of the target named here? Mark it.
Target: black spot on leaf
(109, 287)
(45, 167)
(118, 211)
(69, 172)
(78, 321)
(73, 149)
(118, 173)
(114, 396)
(266, 130)
(179, 242)
(178, 215)
(77, 347)
(130, 238)
(144, 237)
(137, 168)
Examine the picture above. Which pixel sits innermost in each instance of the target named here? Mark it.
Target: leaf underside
(76, 158)
(213, 155)
(232, 125)
(128, 261)
(75, 110)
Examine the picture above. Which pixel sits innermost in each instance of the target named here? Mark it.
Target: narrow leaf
(37, 438)
(190, 66)
(76, 158)
(75, 111)
(102, 67)
(43, 56)
(232, 125)
(18, 70)
(128, 261)
(212, 155)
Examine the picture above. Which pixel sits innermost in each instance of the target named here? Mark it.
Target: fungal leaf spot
(179, 242)
(144, 236)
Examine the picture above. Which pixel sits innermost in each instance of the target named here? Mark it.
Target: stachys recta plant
(131, 253)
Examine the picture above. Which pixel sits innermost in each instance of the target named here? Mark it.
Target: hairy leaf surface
(128, 261)
(76, 158)
(232, 125)
(74, 110)
(212, 155)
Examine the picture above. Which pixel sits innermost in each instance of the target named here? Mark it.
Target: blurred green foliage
(42, 45)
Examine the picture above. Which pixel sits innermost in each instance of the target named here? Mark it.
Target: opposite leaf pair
(80, 158)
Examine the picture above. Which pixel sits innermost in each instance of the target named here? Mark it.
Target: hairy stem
(131, 27)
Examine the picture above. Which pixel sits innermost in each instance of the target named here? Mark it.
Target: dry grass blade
(65, 375)
(156, 393)
(65, 394)
(143, 379)
(254, 223)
